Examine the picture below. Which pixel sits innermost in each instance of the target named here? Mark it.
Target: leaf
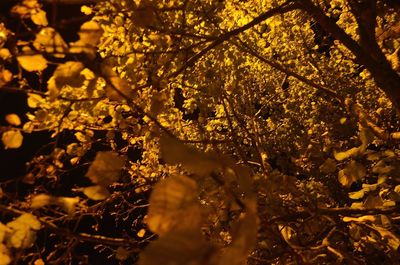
(32, 63)
(121, 254)
(339, 156)
(96, 192)
(361, 219)
(67, 203)
(373, 201)
(41, 200)
(3, 231)
(66, 74)
(173, 203)
(50, 41)
(356, 195)
(141, 233)
(89, 34)
(22, 235)
(39, 262)
(200, 163)
(180, 247)
(12, 139)
(392, 239)
(5, 258)
(105, 168)
(13, 119)
(244, 240)
(34, 100)
(353, 172)
(329, 166)
(39, 18)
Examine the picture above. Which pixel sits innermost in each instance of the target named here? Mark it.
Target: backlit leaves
(13, 119)
(32, 63)
(353, 172)
(22, 231)
(173, 204)
(12, 139)
(105, 168)
(96, 192)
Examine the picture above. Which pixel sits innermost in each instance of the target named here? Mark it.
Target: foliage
(252, 131)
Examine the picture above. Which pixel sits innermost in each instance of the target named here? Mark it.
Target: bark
(368, 54)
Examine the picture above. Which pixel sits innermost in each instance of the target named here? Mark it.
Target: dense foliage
(204, 132)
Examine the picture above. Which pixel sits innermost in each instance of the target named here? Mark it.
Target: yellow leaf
(175, 152)
(39, 18)
(182, 247)
(39, 262)
(25, 220)
(34, 100)
(173, 203)
(41, 200)
(362, 219)
(32, 63)
(12, 139)
(5, 259)
(66, 74)
(351, 173)
(96, 192)
(50, 41)
(244, 239)
(105, 168)
(86, 10)
(3, 231)
(67, 203)
(13, 119)
(339, 156)
(141, 233)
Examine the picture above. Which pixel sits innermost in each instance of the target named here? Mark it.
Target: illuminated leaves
(104, 171)
(96, 193)
(89, 36)
(173, 204)
(66, 74)
(178, 248)
(12, 139)
(353, 172)
(51, 42)
(32, 63)
(175, 152)
(68, 204)
(22, 231)
(13, 119)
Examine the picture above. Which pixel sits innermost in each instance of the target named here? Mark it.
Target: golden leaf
(175, 152)
(180, 247)
(106, 168)
(12, 139)
(329, 166)
(39, 18)
(5, 259)
(13, 119)
(173, 203)
(50, 41)
(32, 63)
(96, 193)
(34, 100)
(353, 172)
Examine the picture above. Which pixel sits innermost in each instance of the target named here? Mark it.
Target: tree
(258, 131)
